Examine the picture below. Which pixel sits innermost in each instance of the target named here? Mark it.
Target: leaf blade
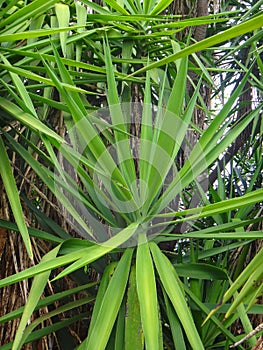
(173, 288)
(147, 294)
(13, 196)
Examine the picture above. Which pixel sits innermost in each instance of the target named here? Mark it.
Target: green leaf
(48, 177)
(146, 139)
(20, 87)
(110, 304)
(59, 310)
(221, 235)
(160, 6)
(13, 196)
(133, 328)
(117, 7)
(36, 77)
(207, 149)
(250, 288)
(81, 14)
(249, 278)
(120, 328)
(35, 33)
(86, 132)
(32, 232)
(28, 119)
(122, 143)
(175, 326)
(217, 208)
(97, 251)
(63, 16)
(39, 334)
(147, 294)
(225, 205)
(28, 11)
(104, 283)
(173, 288)
(227, 34)
(82, 257)
(202, 307)
(201, 271)
(36, 291)
(51, 299)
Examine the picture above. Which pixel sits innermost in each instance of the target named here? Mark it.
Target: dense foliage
(131, 162)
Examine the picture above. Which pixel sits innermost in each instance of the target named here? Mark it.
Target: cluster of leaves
(68, 60)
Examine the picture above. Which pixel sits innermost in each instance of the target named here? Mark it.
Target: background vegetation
(180, 266)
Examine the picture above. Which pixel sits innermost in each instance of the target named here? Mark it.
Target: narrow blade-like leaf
(173, 288)
(100, 332)
(36, 291)
(13, 196)
(147, 294)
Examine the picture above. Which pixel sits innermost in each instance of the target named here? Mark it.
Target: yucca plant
(116, 176)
